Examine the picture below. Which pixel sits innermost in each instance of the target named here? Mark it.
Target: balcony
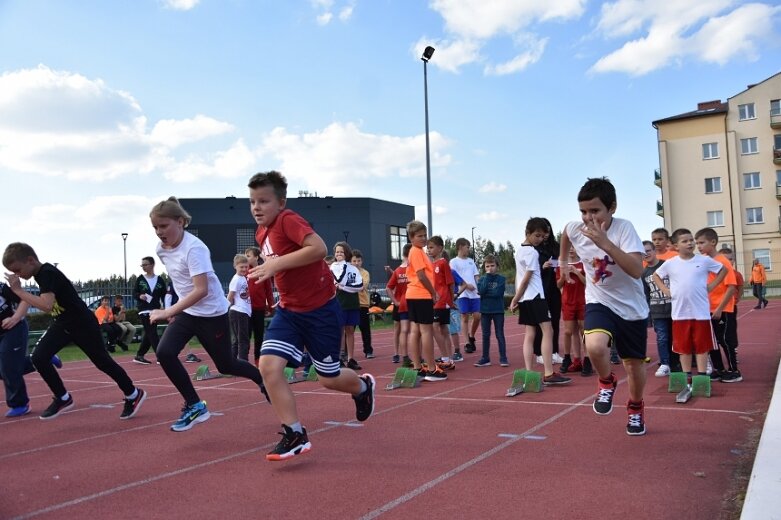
(777, 155)
(660, 208)
(658, 177)
(775, 120)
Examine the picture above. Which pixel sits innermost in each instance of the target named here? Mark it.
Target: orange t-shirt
(741, 282)
(717, 294)
(102, 312)
(670, 253)
(418, 260)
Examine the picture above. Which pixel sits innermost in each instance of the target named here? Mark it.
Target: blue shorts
(351, 317)
(455, 322)
(399, 316)
(468, 305)
(319, 331)
(629, 337)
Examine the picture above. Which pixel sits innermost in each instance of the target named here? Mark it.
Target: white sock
(133, 395)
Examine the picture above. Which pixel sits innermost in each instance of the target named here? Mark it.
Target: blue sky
(107, 107)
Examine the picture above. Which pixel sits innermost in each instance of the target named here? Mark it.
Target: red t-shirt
(443, 284)
(304, 288)
(261, 295)
(573, 294)
(398, 284)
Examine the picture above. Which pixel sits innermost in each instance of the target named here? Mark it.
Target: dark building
(376, 227)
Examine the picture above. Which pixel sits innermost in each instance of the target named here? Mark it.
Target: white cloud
(491, 216)
(492, 187)
(675, 31)
(346, 13)
(326, 10)
(534, 48)
(181, 5)
(324, 19)
(172, 132)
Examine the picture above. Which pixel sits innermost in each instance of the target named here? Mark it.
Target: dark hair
(462, 242)
(406, 249)
(274, 179)
(149, 260)
(661, 231)
(357, 254)
(437, 241)
(725, 251)
(599, 188)
(677, 234)
(348, 251)
(549, 244)
(708, 233)
(537, 224)
(490, 259)
(648, 243)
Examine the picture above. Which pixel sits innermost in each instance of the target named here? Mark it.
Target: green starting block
(677, 382)
(525, 381)
(701, 386)
(403, 378)
(312, 375)
(203, 374)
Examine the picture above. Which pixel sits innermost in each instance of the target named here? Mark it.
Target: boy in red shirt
(307, 315)
(573, 312)
(397, 290)
(443, 284)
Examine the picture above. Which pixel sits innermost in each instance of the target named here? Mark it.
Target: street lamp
(124, 250)
(428, 52)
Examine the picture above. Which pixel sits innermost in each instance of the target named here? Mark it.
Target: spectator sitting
(106, 320)
(120, 318)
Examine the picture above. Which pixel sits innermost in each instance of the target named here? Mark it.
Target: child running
(307, 315)
(201, 311)
(73, 323)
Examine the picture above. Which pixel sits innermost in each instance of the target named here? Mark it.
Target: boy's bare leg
(547, 347)
(272, 368)
(635, 370)
(597, 347)
(686, 362)
(427, 345)
(347, 381)
(475, 324)
(404, 337)
(396, 336)
(439, 339)
(702, 362)
(445, 348)
(413, 344)
(580, 349)
(569, 327)
(528, 347)
(465, 326)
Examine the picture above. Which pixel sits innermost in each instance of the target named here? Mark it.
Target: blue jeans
(14, 364)
(485, 325)
(663, 327)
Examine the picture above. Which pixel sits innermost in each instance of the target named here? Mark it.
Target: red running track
(449, 449)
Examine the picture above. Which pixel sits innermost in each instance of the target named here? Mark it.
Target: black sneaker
(111, 348)
(614, 359)
(192, 358)
(292, 444)
(483, 363)
(364, 403)
(636, 423)
(603, 404)
(396, 358)
(731, 377)
(587, 369)
(435, 375)
(353, 364)
(716, 375)
(556, 379)
(565, 364)
(141, 360)
(369, 355)
(122, 346)
(132, 405)
(57, 406)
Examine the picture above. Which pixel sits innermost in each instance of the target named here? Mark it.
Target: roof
(703, 109)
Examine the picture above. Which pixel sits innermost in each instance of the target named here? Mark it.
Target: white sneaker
(539, 360)
(557, 359)
(662, 371)
(709, 370)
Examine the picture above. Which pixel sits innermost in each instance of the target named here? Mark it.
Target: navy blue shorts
(468, 305)
(629, 337)
(319, 331)
(351, 317)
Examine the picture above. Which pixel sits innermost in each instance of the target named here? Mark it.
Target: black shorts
(442, 316)
(629, 337)
(421, 311)
(533, 312)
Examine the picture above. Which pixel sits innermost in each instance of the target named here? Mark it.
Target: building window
(716, 218)
(398, 237)
(245, 237)
(748, 146)
(754, 216)
(778, 177)
(710, 151)
(713, 185)
(746, 111)
(751, 181)
(763, 255)
(775, 107)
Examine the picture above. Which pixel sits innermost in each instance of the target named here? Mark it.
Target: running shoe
(141, 360)
(614, 359)
(504, 363)
(458, 356)
(364, 403)
(556, 379)
(370, 355)
(662, 371)
(353, 364)
(587, 369)
(576, 366)
(447, 365)
(191, 415)
(483, 363)
(18, 411)
(396, 358)
(58, 406)
(291, 444)
(435, 375)
(603, 404)
(566, 362)
(192, 358)
(636, 422)
(731, 377)
(132, 405)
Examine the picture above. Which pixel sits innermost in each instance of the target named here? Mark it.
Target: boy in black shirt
(73, 322)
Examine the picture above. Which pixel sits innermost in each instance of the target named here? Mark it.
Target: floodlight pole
(427, 53)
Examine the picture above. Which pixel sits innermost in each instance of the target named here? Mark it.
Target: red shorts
(573, 312)
(693, 337)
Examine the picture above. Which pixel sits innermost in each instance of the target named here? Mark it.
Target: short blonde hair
(171, 208)
(413, 227)
(240, 259)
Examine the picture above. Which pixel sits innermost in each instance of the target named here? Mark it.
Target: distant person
(240, 310)
(364, 323)
(149, 292)
(549, 262)
(758, 281)
(491, 288)
(663, 247)
(443, 284)
(201, 312)
(397, 290)
(262, 300)
(348, 285)
(616, 310)
(573, 312)
(120, 318)
(307, 316)
(73, 323)
(660, 306)
(469, 300)
(105, 317)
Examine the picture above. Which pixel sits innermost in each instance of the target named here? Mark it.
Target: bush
(39, 320)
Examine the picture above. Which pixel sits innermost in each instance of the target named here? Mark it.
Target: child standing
(73, 323)
(469, 301)
(201, 311)
(363, 299)
(616, 310)
(530, 302)
(149, 292)
(240, 310)
(307, 315)
(348, 285)
(397, 290)
(689, 288)
(261, 296)
(661, 312)
(660, 238)
(491, 288)
(573, 312)
(758, 280)
(443, 284)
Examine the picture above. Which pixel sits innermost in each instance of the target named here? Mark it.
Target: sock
(609, 380)
(296, 427)
(634, 405)
(445, 359)
(566, 356)
(65, 397)
(701, 373)
(364, 387)
(133, 395)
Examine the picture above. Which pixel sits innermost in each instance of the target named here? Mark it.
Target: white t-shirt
(689, 285)
(527, 259)
(190, 258)
(241, 297)
(606, 282)
(467, 270)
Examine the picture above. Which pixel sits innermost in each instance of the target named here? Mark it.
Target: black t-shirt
(68, 307)
(8, 302)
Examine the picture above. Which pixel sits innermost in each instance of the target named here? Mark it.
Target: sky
(108, 106)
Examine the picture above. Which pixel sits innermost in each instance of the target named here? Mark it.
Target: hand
(716, 315)
(10, 322)
(13, 281)
(597, 233)
(513, 304)
(263, 271)
(158, 315)
(147, 297)
(470, 287)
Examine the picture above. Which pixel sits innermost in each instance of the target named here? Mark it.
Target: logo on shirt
(601, 271)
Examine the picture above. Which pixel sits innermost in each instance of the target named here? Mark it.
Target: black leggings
(366, 330)
(214, 335)
(151, 339)
(257, 327)
(86, 335)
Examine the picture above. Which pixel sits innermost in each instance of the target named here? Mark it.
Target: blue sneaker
(18, 411)
(56, 361)
(191, 415)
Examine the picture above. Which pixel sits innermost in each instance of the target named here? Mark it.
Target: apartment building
(720, 166)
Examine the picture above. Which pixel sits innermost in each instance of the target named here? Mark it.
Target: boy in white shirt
(240, 310)
(469, 301)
